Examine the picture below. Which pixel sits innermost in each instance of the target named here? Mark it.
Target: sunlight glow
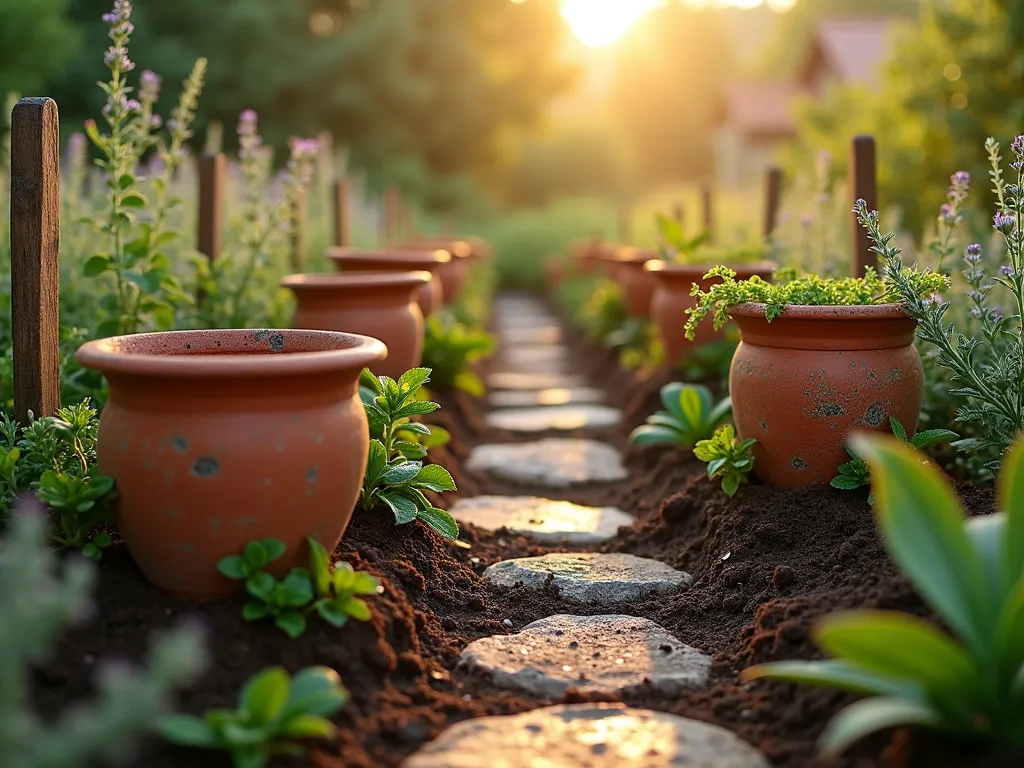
(599, 23)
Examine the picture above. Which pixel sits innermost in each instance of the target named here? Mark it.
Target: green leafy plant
(727, 457)
(677, 245)
(273, 711)
(450, 347)
(788, 289)
(40, 598)
(856, 473)
(971, 573)
(332, 594)
(392, 478)
(690, 415)
(602, 314)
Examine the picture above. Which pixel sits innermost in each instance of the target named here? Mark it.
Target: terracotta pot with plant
(379, 305)
(637, 283)
(218, 438)
(818, 359)
(430, 297)
(453, 273)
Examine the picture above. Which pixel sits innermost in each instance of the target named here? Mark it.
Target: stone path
(585, 577)
(587, 736)
(607, 654)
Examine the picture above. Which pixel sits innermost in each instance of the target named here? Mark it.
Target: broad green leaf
(405, 510)
(256, 554)
(412, 451)
(731, 483)
(931, 437)
(720, 411)
(897, 429)
(837, 674)
(261, 585)
(399, 474)
(670, 397)
(714, 464)
(368, 380)
(254, 611)
(134, 200)
(440, 521)
(391, 392)
(125, 181)
(319, 566)
(434, 477)
(188, 731)
(316, 691)
(866, 717)
(415, 408)
(413, 379)
(1011, 501)
(1010, 636)
(987, 534)
(691, 403)
(847, 482)
(923, 530)
(306, 727)
(264, 695)
(901, 646)
(358, 609)
(292, 624)
(438, 436)
(655, 435)
(416, 428)
(470, 383)
(251, 755)
(97, 265)
(234, 567)
(274, 548)
(329, 612)
(376, 462)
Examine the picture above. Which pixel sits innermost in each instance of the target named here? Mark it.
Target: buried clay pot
(453, 273)
(379, 305)
(430, 297)
(637, 283)
(217, 438)
(804, 382)
(672, 297)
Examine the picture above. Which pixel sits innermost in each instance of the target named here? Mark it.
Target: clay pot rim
(420, 257)
(638, 256)
(893, 311)
(357, 281)
(672, 269)
(459, 249)
(339, 351)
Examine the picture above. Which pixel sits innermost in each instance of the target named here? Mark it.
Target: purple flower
(973, 254)
(1003, 222)
(122, 11)
(155, 121)
(116, 57)
(131, 105)
(247, 123)
(76, 144)
(149, 83)
(304, 148)
(1017, 146)
(1006, 270)
(960, 179)
(948, 214)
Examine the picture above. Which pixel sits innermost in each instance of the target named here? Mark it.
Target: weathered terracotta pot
(802, 383)
(672, 298)
(430, 297)
(587, 255)
(217, 438)
(454, 273)
(637, 283)
(379, 305)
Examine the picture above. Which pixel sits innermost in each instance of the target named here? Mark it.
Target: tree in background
(35, 43)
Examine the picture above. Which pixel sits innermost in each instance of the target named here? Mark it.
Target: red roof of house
(852, 48)
(762, 108)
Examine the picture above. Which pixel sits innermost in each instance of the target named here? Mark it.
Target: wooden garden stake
(211, 196)
(341, 236)
(679, 213)
(864, 181)
(35, 248)
(389, 222)
(709, 214)
(297, 234)
(773, 200)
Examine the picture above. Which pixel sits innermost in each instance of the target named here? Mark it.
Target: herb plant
(788, 289)
(40, 598)
(690, 415)
(971, 573)
(450, 347)
(677, 245)
(392, 478)
(727, 457)
(334, 595)
(273, 711)
(985, 355)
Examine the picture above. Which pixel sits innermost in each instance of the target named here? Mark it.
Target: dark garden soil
(766, 564)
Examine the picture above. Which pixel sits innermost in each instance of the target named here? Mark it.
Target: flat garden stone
(526, 398)
(546, 417)
(601, 654)
(541, 334)
(553, 462)
(586, 577)
(543, 519)
(533, 381)
(535, 353)
(587, 736)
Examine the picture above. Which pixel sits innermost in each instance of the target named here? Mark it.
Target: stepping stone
(553, 462)
(525, 398)
(535, 353)
(530, 381)
(545, 417)
(598, 654)
(587, 736)
(547, 334)
(585, 577)
(543, 519)
(524, 321)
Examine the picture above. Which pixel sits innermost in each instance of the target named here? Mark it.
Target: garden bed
(765, 563)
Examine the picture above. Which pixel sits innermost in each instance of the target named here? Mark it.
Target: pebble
(543, 519)
(564, 417)
(552, 462)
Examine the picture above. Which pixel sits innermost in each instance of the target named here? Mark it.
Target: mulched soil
(766, 564)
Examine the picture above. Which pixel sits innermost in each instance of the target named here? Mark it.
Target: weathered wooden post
(211, 205)
(341, 224)
(679, 213)
(297, 231)
(709, 214)
(864, 186)
(389, 221)
(773, 200)
(35, 249)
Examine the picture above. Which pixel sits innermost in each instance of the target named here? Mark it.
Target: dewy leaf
(368, 380)
(671, 395)
(264, 696)
(897, 429)
(399, 474)
(412, 380)
(923, 530)
(931, 437)
(316, 691)
(440, 521)
(376, 462)
(434, 478)
(866, 717)
(404, 508)
(97, 265)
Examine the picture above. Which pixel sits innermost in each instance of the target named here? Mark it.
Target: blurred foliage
(36, 40)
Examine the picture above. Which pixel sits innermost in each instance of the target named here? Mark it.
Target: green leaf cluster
(971, 573)
(392, 477)
(677, 245)
(690, 415)
(727, 457)
(789, 289)
(333, 595)
(603, 312)
(450, 347)
(274, 709)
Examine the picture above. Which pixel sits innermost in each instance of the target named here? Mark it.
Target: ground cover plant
(690, 416)
(727, 457)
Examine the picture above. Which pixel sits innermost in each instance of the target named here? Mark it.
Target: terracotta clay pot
(430, 297)
(587, 254)
(637, 283)
(672, 298)
(379, 305)
(454, 273)
(802, 383)
(217, 438)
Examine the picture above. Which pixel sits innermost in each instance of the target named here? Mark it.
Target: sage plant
(985, 358)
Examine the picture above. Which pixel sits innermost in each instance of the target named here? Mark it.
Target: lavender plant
(985, 359)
